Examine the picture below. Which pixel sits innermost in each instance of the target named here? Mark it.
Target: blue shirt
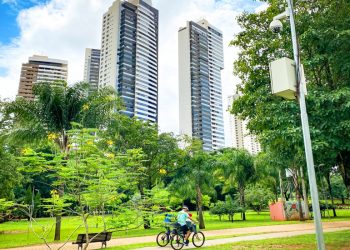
(168, 218)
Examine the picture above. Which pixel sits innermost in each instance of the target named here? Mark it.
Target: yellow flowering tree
(94, 178)
(49, 117)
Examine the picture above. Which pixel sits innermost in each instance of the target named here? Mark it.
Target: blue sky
(9, 9)
(59, 30)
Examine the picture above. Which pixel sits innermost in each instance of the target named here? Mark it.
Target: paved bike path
(249, 238)
(264, 231)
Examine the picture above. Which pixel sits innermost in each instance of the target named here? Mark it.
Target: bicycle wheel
(162, 239)
(198, 239)
(177, 241)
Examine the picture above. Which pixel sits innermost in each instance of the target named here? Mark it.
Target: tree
(228, 207)
(9, 175)
(5, 209)
(218, 209)
(92, 176)
(195, 176)
(258, 198)
(236, 168)
(338, 188)
(51, 114)
(322, 27)
(267, 171)
(160, 152)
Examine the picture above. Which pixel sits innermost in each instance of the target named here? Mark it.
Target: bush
(258, 197)
(227, 207)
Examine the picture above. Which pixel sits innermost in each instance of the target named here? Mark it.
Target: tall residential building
(40, 69)
(129, 56)
(240, 134)
(92, 68)
(200, 64)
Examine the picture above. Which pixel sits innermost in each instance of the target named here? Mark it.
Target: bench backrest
(94, 237)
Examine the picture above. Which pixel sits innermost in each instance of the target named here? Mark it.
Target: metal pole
(306, 135)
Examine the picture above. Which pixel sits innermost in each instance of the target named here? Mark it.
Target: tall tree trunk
(241, 194)
(146, 220)
(282, 194)
(328, 178)
(103, 218)
(59, 217)
(298, 195)
(200, 208)
(281, 185)
(85, 216)
(58, 227)
(344, 167)
(306, 200)
(63, 144)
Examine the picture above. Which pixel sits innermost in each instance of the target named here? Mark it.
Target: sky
(62, 29)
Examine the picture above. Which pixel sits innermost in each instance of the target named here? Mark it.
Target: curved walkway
(263, 232)
(252, 238)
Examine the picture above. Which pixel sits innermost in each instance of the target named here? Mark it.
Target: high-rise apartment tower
(129, 56)
(241, 137)
(40, 69)
(92, 68)
(200, 65)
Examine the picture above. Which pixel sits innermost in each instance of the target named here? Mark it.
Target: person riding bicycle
(182, 216)
(191, 224)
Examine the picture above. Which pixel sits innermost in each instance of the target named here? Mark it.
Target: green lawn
(334, 240)
(14, 234)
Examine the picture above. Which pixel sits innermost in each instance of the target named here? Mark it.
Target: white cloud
(64, 28)
(262, 8)
(173, 15)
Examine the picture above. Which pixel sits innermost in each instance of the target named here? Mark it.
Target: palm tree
(51, 114)
(236, 168)
(195, 177)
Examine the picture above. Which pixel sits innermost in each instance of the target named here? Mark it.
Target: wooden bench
(93, 237)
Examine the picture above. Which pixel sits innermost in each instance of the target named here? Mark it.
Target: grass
(13, 234)
(333, 240)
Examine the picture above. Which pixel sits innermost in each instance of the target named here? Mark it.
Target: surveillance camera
(276, 26)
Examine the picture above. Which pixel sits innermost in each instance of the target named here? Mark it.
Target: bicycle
(177, 240)
(163, 238)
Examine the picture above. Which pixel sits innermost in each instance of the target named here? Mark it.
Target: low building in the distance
(40, 69)
(240, 134)
(92, 68)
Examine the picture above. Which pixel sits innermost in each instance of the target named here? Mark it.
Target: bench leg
(104, 243)
(80, 246)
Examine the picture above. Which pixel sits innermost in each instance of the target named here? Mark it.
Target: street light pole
(306, 134)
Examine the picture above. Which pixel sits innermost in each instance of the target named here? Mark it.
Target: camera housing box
(276, 26)
(283, 78)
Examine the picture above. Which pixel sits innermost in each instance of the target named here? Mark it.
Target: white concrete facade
(241, 137)
(200, 96)
(109, 46)
(185, 82)
(129, 56)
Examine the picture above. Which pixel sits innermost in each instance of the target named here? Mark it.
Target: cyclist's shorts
(184, 229)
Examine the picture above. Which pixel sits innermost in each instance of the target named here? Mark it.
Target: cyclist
(191, 224)
(168, 218)
(182, 216)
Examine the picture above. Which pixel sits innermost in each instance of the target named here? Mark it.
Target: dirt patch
(13, 231)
